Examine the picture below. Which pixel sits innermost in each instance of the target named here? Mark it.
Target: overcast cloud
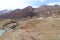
(14, 4)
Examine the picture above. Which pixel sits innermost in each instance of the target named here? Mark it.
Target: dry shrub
(29, 24)
(13, 21)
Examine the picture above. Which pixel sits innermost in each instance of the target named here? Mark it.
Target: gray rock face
(45, 10)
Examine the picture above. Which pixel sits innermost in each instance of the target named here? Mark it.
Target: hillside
(19, 13)
(42, 11)
(32, 29)
(42, 23)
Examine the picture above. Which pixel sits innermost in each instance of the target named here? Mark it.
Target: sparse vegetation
(12, 21)
(45, 25)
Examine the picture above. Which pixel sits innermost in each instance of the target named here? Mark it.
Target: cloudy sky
(14, 4)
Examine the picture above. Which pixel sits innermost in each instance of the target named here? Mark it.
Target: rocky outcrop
(47, 11)
(19, 13)
(42, 11)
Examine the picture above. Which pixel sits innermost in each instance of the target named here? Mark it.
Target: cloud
(55, 3)
(13, 4)
(42, 0)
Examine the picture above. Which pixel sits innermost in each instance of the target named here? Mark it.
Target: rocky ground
(31, 29)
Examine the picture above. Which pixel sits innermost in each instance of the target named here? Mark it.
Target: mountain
(4, 11)
(19, 13)
(48, 10)
(42, 11)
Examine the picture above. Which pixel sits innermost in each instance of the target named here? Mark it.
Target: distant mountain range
(4, 11)
(42, 11)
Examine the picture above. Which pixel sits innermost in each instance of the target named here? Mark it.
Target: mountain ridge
(42, 11)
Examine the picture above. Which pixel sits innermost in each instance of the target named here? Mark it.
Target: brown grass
(35, 29)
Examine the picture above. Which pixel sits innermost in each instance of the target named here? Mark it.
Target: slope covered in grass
(35, 29)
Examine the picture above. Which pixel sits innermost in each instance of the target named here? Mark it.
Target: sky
(14, 4)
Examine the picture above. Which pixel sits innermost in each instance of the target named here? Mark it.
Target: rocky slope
(41, 23)
(42, 11)
(34, 29)
(19, 13)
